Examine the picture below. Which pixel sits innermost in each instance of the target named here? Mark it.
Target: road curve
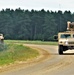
(53, 64)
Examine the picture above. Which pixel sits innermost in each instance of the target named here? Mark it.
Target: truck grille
(71, 42)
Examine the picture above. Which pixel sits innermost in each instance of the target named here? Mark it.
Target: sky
(53, 5)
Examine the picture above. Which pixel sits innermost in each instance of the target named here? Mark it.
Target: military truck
(1, 39)
(66, 39)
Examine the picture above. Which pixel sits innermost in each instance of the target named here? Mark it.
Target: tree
(33, 25)
(50, 27)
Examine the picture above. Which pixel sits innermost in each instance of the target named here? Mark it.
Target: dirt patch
(30, 62)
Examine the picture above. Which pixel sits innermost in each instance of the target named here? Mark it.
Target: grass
(32, 42)
(15, 52)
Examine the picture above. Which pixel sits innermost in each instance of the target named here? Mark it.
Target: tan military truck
(1, 38)
(66, 39)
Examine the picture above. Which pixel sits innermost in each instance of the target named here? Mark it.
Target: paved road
(53, 64)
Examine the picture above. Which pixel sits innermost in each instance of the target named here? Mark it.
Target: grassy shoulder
(13, 50)
(32, 42)
(16, 52)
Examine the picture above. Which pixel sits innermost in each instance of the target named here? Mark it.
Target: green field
(16, 52)
(13, 50)
(32, 42)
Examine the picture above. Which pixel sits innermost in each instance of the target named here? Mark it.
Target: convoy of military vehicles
(65, 39)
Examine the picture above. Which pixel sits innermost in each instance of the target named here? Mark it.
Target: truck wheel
(60, 49)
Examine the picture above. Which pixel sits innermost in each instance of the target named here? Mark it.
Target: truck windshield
(65, 36)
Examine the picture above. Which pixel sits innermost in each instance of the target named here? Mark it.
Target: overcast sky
(38, 4)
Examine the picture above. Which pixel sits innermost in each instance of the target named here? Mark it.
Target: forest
(20, 24)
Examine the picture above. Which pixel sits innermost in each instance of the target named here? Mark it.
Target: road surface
(52, 64)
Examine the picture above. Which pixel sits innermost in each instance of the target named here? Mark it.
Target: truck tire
(60, 49)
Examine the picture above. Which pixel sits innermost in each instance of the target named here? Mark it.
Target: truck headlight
(61, 42)
(66, 42)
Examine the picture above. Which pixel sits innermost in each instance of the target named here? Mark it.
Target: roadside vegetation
(32, 42)
(13, 50)
(16, 52)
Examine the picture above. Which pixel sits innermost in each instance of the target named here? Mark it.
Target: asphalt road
(52, 64)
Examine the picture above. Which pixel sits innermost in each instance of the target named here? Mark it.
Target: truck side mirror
(55, 37)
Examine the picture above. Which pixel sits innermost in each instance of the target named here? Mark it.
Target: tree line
(33, 25)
